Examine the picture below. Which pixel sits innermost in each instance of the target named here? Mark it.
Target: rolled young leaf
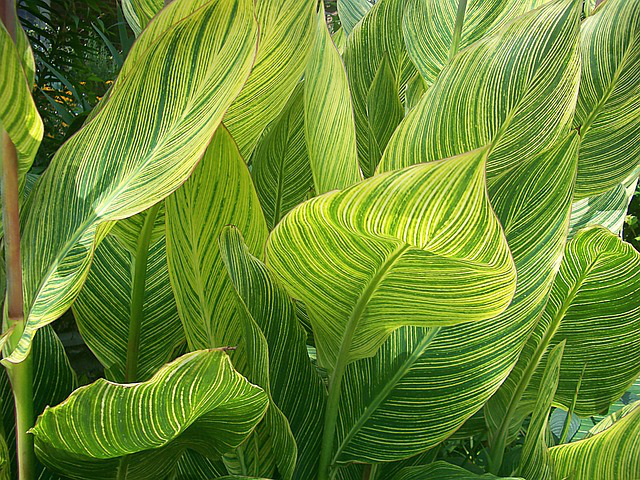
(611, 454)
(399, 243)
(198, 401)
(429, 28)
(528, 69)
(137, 150)
(608, 113)
(139, 13)
(269, 308)
(329, 126)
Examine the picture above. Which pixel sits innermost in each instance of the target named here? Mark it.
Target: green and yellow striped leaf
(607, 209)
(104, 319)
(270, 310)
(286, 35)
(280, 163)
(611, 454)
(534, 460)
(352, 11)
(193, 466)
(594, 307)
(19, 116)
(608, 110)
(528, 70)
(220, 192)
(393, 259)
(429, 27)
(442, 470)
(139, 13)
(328, 116)
(417, 391)
(143, 144)
(197, 401)
(377, 36)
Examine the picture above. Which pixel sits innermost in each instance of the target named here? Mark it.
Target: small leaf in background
(442, 470)
(197, 401)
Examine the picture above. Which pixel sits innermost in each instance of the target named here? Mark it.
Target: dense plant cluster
(378, 242)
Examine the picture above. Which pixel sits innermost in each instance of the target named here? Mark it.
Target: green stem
(457, 29)
(137, 294)
(500, 438)
(567, 421)
(335, 380)
(20, 374)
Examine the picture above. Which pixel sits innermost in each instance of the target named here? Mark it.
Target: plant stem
(20, 374)
(137, 294)
(567, 421)
(457, 29)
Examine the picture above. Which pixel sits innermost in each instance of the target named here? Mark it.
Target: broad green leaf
(429, 26)
(607, 209)
(608, 110)
(220, 192)
(105, 172)
(103, 308)
(193, 466)
(415, 91)
(328, 116)
(280, 163)
(557, 422)
(286, 35)
(534, 462)
(352, 11)
(394, 260)
(528, 70)
(379, 35)
(148, 425)
(417, 391)
(612, 454)
(19, 116)
(594, 307)
(139, 13)
(5, 463)
(440, 471)
(270, 310)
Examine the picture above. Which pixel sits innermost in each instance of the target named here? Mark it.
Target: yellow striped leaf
(271, 314)
(429, 28)
(104, 320)
(139, 13)
(612, 454)
(143, 144)
(220, 192)
(280, 163)
(378, 35)
(19, 116)
(608, 111)
(143, 428)
(387, 270)
(420, 388)
(352, 11)
(528, 70)
(328, 116)
(286, 35)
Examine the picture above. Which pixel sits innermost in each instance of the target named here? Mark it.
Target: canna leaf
(534, 462)
(106, 173)
(352, 11)
(376, 37)
(19, 116)
(429, 28)
(533, 65)
(420, 388)
(611, 454)
(139, 13)
(271, 315)
(442, 470)
(104, 319)
(359, 295)
(219, 193)
(286, 35)
(280, 163)
(143, 428)
(328, 116)
(608, 113)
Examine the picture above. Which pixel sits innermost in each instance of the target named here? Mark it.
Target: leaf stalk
(457, 29)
